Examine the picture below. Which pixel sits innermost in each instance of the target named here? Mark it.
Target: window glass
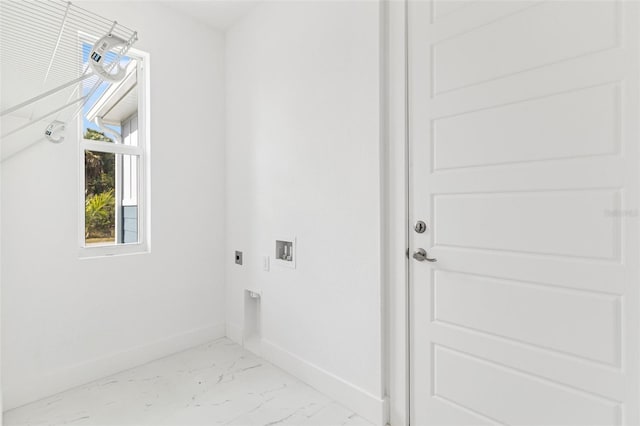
(112, 210)
(100, 197)
(115, 163)
(108, 103)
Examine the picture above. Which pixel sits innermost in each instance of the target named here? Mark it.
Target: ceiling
(219, 14)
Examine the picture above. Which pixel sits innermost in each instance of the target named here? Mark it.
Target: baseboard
(34, 388)
(360, 401)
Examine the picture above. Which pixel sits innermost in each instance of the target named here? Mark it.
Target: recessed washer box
(285, 252)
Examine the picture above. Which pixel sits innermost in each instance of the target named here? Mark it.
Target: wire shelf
(42, 46)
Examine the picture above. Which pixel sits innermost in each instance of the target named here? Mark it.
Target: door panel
(586, 120)
(515, 397)
(533, 314)
(539, 35)
(483, 221)
(523, 129)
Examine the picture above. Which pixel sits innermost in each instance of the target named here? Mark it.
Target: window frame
(143, 154)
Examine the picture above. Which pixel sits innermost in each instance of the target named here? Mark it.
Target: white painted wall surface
(1, 351)
(303, 160)
(66, 321)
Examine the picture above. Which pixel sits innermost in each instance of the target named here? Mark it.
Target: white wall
(1, 351)
(303, 160)
(66, 321)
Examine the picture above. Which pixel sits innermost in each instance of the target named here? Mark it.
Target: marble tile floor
(219, 383)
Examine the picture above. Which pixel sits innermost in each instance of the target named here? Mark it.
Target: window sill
(111, 250)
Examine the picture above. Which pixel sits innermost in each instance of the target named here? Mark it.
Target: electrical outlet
(238, 257)
(265, 263)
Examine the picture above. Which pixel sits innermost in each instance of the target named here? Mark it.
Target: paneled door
(523, 135)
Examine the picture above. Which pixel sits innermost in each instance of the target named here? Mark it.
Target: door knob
(421, 255)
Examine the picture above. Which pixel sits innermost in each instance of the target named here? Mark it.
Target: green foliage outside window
(99, 192)
(99, 214)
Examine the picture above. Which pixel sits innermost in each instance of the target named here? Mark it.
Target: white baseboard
(360, 401)
(34, 388)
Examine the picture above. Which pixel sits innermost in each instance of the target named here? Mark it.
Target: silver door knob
(421, 255)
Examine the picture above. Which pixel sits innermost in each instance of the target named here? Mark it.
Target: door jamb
(396, 165)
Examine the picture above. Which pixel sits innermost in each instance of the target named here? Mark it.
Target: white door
(523, 129)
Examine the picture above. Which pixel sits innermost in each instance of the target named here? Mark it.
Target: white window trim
(144, 188)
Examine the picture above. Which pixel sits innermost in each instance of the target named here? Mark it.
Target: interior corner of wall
(234, 333)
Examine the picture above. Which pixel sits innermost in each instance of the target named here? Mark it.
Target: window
(114, 161)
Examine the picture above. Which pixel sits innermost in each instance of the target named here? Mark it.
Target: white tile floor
(215, 384)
